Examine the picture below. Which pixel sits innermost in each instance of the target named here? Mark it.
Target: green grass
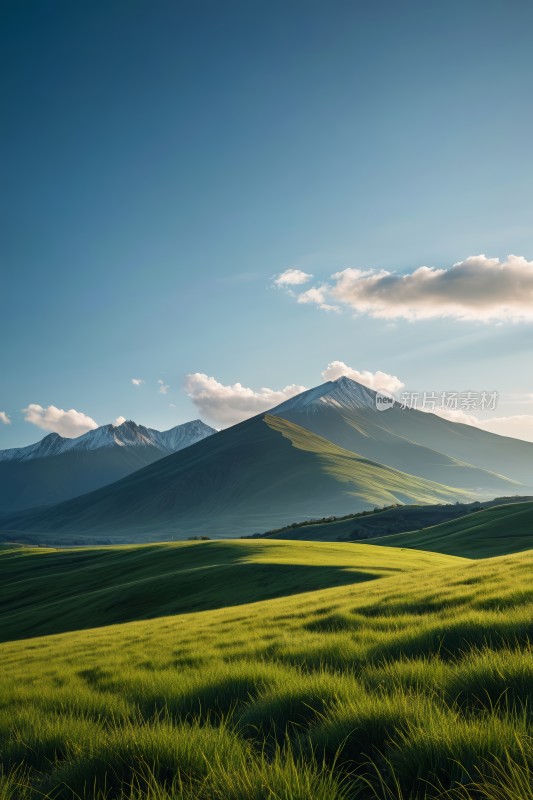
(416, 685)
(483, 534)
(47, 591)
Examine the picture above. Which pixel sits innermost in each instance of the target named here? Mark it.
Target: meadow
(417, 683)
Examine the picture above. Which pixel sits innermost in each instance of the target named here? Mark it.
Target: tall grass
(403, 688)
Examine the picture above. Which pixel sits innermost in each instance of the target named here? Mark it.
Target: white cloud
(119, 421)
(318, 295)
(292, 277)
(374, 380)
(227, 405)
(67, 423)
(4, 417)
(476, 289)
(137, 381)
(163, 387)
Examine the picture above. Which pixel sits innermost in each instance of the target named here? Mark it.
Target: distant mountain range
(57, 468)
(327, 451)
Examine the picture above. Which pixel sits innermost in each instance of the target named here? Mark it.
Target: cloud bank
(67, 423)
(227, 405)
(477, 289)
(4, 418)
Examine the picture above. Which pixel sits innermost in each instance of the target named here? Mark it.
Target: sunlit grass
(416, 685)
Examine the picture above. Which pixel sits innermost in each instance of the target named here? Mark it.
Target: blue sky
(163, 162)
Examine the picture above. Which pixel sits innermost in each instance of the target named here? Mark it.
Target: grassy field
(491, 532)
(417, 684)
(44, 591)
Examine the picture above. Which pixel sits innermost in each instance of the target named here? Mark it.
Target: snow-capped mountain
(57, 468)
(342, 393)
(128, 434)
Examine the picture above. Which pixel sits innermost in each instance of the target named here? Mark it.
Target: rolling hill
(394, 687)
(483, 534)
(58, 468)
(46, 591)
(381, 522)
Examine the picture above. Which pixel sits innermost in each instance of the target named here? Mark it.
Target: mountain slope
(57, 468)
(420, 443)
(250, 477)
(491, 532)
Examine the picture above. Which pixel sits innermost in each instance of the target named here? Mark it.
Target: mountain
(417, 442)
(326, 452)
(58, 468)
(252, 476)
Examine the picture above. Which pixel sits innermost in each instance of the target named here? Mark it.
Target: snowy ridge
(129, 434)
(342, 393)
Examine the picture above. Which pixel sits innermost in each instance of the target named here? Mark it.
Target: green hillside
(393, 688)
(382, 522)
(244, 479)
(49, 591)
(486, 533)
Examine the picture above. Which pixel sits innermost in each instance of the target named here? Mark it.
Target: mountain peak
(340, 393)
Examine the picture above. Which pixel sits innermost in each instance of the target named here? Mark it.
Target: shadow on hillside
(89, 589)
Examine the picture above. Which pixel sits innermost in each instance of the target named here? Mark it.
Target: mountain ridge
(57, 468)
(127, 434)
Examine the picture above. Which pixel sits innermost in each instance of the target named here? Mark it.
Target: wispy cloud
(137, 381)
(476, 289)
(163, 387)
(517, 426)
(4, 418)
(67, 423)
